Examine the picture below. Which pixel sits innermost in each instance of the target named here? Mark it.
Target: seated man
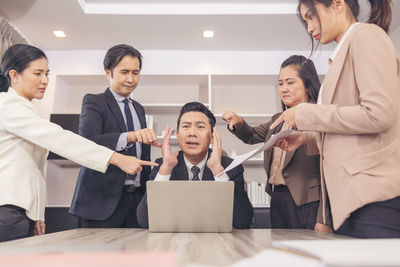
(195, 132)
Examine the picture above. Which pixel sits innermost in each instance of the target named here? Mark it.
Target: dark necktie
(195, 170)
(129, 125)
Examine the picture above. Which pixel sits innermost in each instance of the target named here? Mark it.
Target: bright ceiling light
(208, 34)
(59, 34)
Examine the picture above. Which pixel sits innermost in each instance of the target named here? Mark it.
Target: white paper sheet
(242, 158)
(349, 252)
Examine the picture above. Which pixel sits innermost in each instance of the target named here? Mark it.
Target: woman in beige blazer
(356, 119)
(25, 139)
(293, 177)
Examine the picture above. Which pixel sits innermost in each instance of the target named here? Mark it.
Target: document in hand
(270, 143)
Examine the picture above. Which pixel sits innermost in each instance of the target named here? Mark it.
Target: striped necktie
(129, 126)
(195, 170)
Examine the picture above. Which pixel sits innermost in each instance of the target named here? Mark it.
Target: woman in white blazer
(25, 140)
(356, 121)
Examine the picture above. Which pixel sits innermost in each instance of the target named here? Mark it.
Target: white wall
(173, 62)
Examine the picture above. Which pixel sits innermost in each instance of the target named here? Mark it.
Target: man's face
(194, 134)
(125, 76)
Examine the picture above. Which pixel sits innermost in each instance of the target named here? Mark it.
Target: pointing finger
(147, 163)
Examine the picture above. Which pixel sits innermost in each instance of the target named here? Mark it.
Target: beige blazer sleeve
(18, 116)
(377, 88)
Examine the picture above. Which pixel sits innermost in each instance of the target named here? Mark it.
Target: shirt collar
(119, 97)
(340, 44)
(201, 165)
(12, 91)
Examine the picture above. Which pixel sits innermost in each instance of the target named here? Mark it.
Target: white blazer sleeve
(19, 117)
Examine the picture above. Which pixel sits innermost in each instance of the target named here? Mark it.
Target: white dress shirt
(122, 140)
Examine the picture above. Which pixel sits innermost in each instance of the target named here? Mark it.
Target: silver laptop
(187, 206)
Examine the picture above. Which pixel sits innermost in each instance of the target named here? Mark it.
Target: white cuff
(163, 178)
(223, 178)
(122, 142)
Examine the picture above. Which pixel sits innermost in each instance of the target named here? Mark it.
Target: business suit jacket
(97, 194)
(242, 208)
(358, 123)
(300, 171)
(25, 139)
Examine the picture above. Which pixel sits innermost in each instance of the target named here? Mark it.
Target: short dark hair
(197, 107)
(307, 73)
(116, 53)
(17, 57)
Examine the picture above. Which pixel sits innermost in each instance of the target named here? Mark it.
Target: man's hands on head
(214, 161)
(170, 159)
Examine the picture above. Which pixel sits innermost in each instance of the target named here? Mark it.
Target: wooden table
(204, 248)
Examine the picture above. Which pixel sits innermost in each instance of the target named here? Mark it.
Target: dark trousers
(375, 220)
(124, 215)
(14, 223)
(285, 214)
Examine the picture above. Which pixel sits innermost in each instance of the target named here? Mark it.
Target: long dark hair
(307, 73)
(381, 12)
(17, 57)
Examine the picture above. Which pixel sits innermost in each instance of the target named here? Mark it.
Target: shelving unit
(254, 97)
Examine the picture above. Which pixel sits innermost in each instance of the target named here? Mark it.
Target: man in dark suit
(114, 120)
(195, 132)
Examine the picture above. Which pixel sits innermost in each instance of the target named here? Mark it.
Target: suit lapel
(141, 116)
(288, 158)
(112, 103)
(332, 77)
(180, 171)
(207, 174)
(268, 153)
(335, 70)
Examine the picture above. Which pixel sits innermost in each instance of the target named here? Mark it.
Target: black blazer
(242, 208)
(97, 194)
